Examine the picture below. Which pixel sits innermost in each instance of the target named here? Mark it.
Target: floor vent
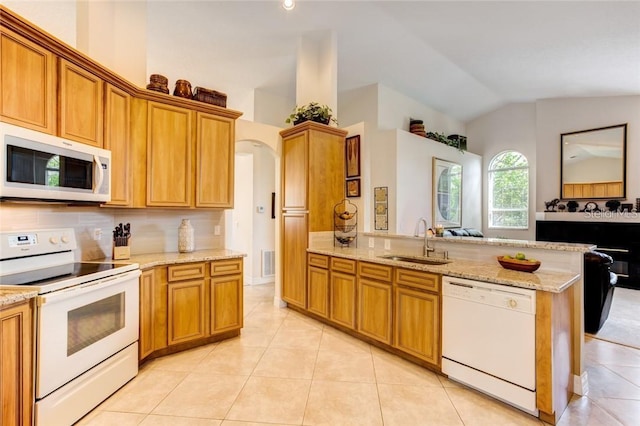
(268, 263)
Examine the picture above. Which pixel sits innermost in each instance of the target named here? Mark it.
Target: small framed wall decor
(353, 188)
(380, 200)
(352, 156)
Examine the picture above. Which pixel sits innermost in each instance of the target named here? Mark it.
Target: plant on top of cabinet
(312, 111)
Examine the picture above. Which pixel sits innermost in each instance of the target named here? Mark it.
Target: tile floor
(287, 369)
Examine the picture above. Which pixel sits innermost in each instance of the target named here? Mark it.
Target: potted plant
(312, 111)
(442, 138)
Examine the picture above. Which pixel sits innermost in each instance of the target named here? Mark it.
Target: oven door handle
(81, 289)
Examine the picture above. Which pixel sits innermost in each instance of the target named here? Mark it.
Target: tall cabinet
(313, 182)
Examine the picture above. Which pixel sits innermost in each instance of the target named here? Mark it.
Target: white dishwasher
(488, 339)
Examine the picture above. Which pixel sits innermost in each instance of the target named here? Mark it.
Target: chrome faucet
(426, 249)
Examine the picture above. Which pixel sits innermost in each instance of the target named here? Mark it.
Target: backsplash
(152, 231)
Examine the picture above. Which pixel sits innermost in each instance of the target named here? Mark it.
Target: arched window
(509, 191)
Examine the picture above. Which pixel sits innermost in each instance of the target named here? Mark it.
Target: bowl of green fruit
(519, 262)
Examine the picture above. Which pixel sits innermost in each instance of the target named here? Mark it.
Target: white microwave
(36, 166)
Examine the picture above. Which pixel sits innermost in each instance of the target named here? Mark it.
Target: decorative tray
(519, 265)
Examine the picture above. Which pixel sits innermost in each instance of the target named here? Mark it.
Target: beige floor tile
(234, 360)
(144, 393)
(290, 363)
(416, 405)
(202, 395)
(237, 423)
(344, 367)
(336, 340)
(446, 383)
(625, 410)
(631, 374)
(304, 339)
(604, 383)
(584, 412)
(475, 408)
(155, 420)
(264, 321)
(342, 403)
(271, 400)
(252, 336)
(109, 418)
(391, 369)
(601, 352)
(297, 321)
(183, 361)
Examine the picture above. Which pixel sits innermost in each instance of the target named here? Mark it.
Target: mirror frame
(624, 164)
(440, 166)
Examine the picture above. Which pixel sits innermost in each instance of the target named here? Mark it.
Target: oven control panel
(15, 244)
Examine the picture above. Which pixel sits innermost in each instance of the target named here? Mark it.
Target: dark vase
(183, 89)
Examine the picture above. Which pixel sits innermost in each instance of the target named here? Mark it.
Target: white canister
(185, 237)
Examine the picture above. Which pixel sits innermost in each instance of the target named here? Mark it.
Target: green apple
(506, 256)
(520, 256)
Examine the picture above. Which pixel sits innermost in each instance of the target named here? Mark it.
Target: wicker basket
(210, 96)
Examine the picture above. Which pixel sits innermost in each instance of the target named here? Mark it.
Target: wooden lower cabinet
(343, 299)
(375, 309)
(186, 311)
(226, 303)
(189, 304)
(318, 291)
(417, 324)
(145, 342)
(16, 391)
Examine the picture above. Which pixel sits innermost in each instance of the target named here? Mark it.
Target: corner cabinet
(16, 391)
(189, 304)
(312, 183)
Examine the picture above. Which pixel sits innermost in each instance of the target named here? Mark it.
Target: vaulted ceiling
(461, 58)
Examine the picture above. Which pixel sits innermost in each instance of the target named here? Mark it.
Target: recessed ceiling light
(288, 4)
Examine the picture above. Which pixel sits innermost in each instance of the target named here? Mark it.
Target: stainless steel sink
(416, 259)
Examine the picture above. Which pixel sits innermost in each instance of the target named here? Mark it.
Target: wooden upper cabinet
(295, 177)
(169, 156)
(117, 128)
(313, 171)
(81, 108)
(27, 83)
(214, 161)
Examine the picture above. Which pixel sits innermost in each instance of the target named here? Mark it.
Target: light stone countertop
(500, 242)
(147, 261)
(551, 281)
(11, 296)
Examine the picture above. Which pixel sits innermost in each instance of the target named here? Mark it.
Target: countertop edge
(553, 282)
(151, 260)
(10, 296)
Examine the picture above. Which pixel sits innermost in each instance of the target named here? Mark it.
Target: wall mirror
(593, 163)
(447, 193)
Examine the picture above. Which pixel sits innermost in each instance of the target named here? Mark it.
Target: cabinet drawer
(375, 271)
(319, 260)
(226, 267)
(423, 280)
(343, 265)
(188, 271)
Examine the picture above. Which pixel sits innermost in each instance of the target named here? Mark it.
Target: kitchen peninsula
(397, 305)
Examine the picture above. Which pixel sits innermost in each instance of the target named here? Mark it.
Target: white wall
(512, 127)
(264, 235)
(58, 18)
(557, 116)
(402, 161)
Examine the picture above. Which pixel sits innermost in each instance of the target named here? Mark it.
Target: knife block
(121, 252)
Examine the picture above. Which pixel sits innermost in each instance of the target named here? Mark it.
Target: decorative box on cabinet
(27, 83)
